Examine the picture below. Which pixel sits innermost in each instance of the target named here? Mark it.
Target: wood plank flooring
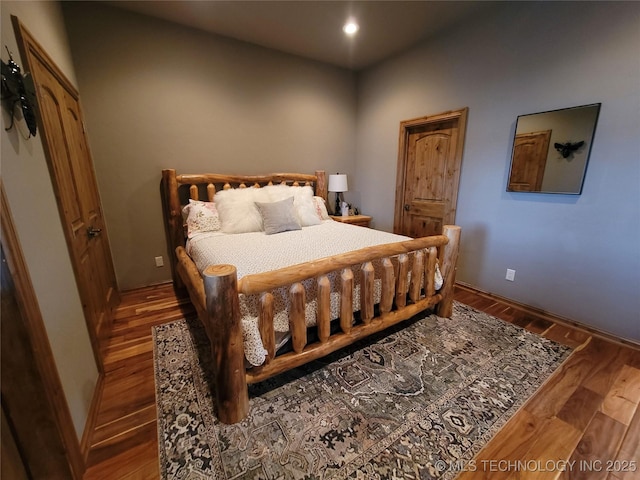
(584, 423)
(124, 444)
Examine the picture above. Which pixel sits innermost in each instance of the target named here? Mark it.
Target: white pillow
(279, 192)
(238, 211)
(306, 207)
(302, 201)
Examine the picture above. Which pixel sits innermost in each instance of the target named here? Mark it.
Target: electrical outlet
(511, 275)
(159, 262)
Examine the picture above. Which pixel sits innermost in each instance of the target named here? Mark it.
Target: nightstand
(360, 220)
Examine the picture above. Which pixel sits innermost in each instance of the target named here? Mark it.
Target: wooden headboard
(178, 189)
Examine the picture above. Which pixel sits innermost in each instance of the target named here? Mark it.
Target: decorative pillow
(306, 207)
(303, 202)
(321, 208)
(278, 216)
(201, 217)
(279, 192)
(238, 211)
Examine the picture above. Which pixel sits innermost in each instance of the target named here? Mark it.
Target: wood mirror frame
(551, 150)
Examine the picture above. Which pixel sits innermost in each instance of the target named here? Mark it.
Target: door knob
(407, 207)
(93, 232)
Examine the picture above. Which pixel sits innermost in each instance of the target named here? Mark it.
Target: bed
(265, 267)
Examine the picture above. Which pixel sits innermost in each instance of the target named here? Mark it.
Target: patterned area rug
(418, 402)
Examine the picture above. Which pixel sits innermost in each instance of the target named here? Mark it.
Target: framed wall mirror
(551, 150)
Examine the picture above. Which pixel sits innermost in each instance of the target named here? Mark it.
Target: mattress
(257, 252)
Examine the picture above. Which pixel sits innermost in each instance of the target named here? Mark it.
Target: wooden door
(38, 438)
(71, 167)
(12, 465)
(429, 163)
(530, 152)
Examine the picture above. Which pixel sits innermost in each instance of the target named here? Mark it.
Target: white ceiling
(313, 29)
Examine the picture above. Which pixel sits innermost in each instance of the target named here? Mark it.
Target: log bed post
(173, 220)
(223, 307)
(321, 185)
(448, 262)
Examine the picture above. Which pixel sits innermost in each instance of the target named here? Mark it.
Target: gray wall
(575, 256)
(33, 206)
(157, 95)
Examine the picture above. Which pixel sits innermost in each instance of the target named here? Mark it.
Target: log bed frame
(215, 294)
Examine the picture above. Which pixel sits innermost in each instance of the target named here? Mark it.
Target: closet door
(71, 167)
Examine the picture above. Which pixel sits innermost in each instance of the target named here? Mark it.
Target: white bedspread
(257, 252)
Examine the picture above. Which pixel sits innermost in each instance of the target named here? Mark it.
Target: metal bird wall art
(18, 90)
(566, 149)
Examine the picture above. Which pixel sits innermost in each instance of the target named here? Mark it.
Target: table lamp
(338, 185)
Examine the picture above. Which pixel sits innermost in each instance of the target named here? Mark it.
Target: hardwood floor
(585, 420)
(124, 444)
(584, 423)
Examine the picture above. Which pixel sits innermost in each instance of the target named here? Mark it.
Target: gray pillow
(278, 216)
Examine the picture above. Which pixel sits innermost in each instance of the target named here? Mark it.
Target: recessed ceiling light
(350, 28)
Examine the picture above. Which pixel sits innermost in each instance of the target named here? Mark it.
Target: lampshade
(338, 183)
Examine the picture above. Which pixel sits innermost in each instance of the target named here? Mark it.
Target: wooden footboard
(400, 299)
